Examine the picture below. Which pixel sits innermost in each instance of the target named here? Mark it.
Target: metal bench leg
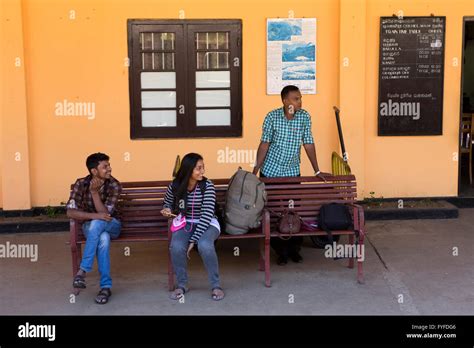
(267, 263)
(170, 262)
(170, 272)
(351, 259)
(360, 274)
(261, 266)
(79, 256)
(75, 259)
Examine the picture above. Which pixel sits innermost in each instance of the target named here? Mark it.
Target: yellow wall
(82, 59)
(14, 149)
(415, 165)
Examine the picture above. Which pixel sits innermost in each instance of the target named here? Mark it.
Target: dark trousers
(285, 247)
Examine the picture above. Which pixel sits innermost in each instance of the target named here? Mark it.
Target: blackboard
(411, 75)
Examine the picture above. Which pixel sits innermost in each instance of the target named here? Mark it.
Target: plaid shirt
(285, 138)
(81, 197)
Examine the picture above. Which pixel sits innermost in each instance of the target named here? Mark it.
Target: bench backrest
(141, 202)
(305, 195)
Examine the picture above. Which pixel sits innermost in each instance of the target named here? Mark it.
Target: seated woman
(193, 196)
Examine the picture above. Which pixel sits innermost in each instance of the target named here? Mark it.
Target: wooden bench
(307, 195)
(140, 204)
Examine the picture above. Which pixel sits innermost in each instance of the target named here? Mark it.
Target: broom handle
(339, 130)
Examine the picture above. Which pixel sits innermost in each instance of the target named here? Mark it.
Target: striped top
(204, 205)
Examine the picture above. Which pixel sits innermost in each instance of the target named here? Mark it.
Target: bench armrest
(266, 223)
(74, 232)
(359, 218)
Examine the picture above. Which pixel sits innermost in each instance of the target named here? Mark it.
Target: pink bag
(179, 222)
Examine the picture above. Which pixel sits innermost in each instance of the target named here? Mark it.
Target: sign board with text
(411, 75)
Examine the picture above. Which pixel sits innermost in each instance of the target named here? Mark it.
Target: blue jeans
(98, 234)
(179, 247)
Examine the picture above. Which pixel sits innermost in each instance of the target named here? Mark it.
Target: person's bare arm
(261, 154)
(311, 152)
(77, 214)
(98, 204)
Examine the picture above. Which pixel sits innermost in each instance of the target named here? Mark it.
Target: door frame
(465, 19)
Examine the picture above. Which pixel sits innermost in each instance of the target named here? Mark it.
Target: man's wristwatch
(317, 173)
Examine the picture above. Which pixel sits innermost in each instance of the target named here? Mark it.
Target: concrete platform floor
(418, 258)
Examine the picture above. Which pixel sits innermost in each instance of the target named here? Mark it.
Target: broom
(340, 166)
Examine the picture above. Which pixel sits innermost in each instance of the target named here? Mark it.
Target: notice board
(291, 54)
(411, 75)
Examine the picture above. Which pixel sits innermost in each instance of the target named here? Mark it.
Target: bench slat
(143, 190)
(138, 217)
(145, 224)
(141, 196)
(299, 198)
(128, 184)
(134, 208)
(309, 185)
(300, 190)
(158, 203)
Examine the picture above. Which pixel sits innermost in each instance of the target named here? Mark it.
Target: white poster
(291, 54)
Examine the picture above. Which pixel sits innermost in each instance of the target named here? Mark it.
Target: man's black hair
(94, 160)
(287, 89)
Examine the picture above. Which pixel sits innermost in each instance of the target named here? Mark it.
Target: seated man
(93, 200)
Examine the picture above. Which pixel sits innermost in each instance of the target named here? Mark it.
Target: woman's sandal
(178, 293)
(79, 282)
(215, 296)
(103, 296)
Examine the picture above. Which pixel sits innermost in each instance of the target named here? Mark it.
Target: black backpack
(334, 216)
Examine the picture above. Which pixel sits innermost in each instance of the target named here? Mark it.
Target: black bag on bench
(334, 216)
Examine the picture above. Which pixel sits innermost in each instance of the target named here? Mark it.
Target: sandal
(103, 296)
(215, 295)
(178, 293)
(79, 282)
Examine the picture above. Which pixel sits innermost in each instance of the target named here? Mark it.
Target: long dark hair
(180, 183)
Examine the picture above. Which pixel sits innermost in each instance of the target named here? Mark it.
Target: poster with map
(291, 54)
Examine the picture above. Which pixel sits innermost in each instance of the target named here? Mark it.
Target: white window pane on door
(215, 117)
(158, 79)
(158, 99)
(212, 79)
(213, 98)
(159, 118)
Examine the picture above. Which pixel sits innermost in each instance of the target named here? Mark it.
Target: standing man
(93, 200)
(278, 155)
